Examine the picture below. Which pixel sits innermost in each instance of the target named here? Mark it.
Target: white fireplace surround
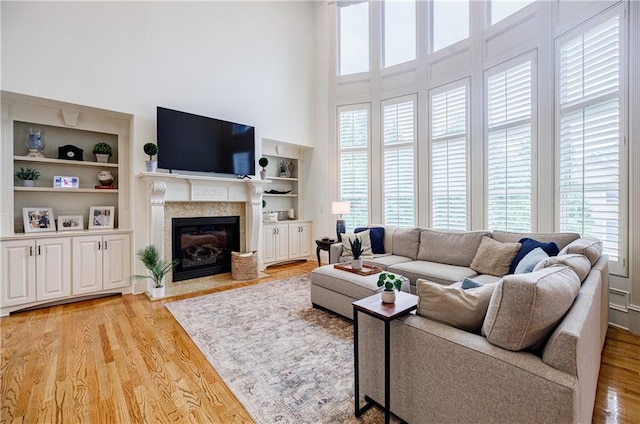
(164, 187)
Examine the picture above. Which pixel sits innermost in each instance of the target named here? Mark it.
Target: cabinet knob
(30, 250)
(105, 245)
(39, 251)
(98, 245)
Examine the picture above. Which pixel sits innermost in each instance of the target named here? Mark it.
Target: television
(188, 142)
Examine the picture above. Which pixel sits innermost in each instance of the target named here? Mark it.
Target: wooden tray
(366, 269)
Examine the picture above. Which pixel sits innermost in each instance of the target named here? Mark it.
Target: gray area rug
(285, 361)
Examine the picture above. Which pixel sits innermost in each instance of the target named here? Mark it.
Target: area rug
(284, 360)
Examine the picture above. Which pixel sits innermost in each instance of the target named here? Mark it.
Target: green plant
(390, 281)
(263, 162)
(102, 149)
(264, 203)
(356, 247)
(27, 174)
(151, 149)
(157, 266)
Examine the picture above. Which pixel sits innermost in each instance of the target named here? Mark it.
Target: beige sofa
(447, 375)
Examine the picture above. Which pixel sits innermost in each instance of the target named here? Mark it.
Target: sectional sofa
(536, 356)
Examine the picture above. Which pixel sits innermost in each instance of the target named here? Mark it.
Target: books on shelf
(109, 187)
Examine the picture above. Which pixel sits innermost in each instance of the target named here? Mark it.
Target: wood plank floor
(124, 359)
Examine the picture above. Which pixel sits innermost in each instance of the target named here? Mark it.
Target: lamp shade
(340, 208)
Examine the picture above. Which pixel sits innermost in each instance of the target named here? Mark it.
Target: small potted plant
(158, 269)
(103, 152)
(151, 149)
(356, 250)
(390, 283)
(263, 162)
(28, 176)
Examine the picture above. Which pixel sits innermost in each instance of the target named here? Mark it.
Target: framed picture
(70, 222)
(37, 220)
(66, 182)
(101, 217)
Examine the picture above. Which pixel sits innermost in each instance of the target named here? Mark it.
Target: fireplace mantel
(164, 187)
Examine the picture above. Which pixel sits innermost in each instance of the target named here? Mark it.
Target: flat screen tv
(188, 142)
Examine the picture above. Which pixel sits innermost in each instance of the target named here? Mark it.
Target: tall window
(354, 38)
(449, 23)
(449, 134)
(399, 31)
(589, 114)
(353, 145)
(500, 9)
(399, 142)
(509, 146)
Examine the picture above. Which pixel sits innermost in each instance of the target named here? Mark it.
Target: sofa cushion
(432, 271)
(525, 308)
(376, 234)
(578, 263)
(464, 309)
(529, 262)
(385, 261)
(588, 246)
(406, 242)
(493, 257)
(486, 278)
(561, 239)
(366, 243)
(528, 244)
(450, 247)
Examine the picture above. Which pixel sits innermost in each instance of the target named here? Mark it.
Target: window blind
(353, 140)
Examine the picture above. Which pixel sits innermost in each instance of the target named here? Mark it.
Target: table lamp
(340, 208)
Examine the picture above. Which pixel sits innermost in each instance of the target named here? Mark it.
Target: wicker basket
(244, 266)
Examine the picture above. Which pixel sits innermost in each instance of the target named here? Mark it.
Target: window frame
(383, 35)
(338, 52)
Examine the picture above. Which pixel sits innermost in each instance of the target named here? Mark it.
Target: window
(449, 23)
(399, 31)
(509, 147)
(590, 135)
(500, 9)
(354, 38)
(449, 129)
(353, 145)
(399, 143)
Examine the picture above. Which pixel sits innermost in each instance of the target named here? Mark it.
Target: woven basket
(244, 266)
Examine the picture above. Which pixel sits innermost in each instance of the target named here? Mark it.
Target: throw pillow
(588, 246)
(578, 263)
(364, 238)
(528, 244)
(493, 257)
(377, 238)
(463, 309)
(525, 308)
(529, 262)
(406, 242)
(468, 283)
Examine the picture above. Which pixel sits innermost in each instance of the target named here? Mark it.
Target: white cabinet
(35, 270)
(299, 240)
(275, 243)
(100, 263)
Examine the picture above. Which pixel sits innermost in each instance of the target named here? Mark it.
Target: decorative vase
(152, 165)
(28, 183)
(35, 143)
(388, 296)
(157, 292)
(263, 174)
(356, 263)
(105, 177)
(102, 158)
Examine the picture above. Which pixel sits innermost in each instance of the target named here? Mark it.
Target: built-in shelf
(67, 190)
(283, 179)
(65, 162)
(279, 195)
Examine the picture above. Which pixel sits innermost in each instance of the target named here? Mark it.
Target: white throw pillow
(531, 259)
(364, 237)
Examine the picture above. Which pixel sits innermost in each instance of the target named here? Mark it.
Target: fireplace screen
(204, 245)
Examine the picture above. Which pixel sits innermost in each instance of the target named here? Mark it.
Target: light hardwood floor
(125, 359)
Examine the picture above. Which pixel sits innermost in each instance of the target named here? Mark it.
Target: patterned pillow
(364, 238)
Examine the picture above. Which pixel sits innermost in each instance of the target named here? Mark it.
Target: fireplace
(203, 245)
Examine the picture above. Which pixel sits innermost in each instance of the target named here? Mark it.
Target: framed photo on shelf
(38, 220)
(66, 182)
(101, 217)
(70, 222)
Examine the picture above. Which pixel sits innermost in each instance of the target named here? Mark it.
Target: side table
(386, 312)
(323, 245)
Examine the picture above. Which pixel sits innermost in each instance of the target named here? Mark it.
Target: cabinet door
(53, 268)
(268, 243)
(282, 242)
(305, 239)
(116, 262)
(294, 240)
(87, 264)
(18, 272)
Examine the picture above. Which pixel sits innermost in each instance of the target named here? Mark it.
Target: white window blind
(509, 148)
(353, 140)
(399, 139)
(449, 159)
(589, 117)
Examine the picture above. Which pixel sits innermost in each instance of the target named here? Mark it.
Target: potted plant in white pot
(263, 162)
(158, 269)
(28, 176)
(390, 283)
(103, 152)
(356, 250)
(151, 149)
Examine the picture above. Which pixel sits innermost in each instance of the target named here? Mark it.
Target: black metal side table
(386, 312)
(323, 244)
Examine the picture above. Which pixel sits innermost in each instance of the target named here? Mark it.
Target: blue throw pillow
(531, 260)
(468, 283)
(377, 238)
(528, 244)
